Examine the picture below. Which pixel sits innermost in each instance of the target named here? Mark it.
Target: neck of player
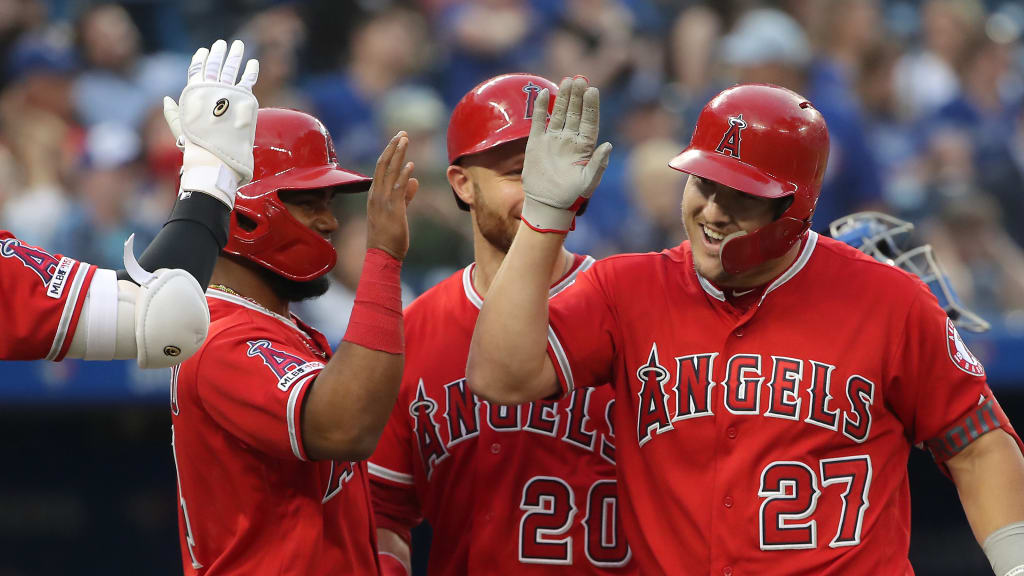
(244, 280)
(488, 259)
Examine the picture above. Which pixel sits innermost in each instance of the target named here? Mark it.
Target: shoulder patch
(288, 367)
(960, 354)
(51, 272)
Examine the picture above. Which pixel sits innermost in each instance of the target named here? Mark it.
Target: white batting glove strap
(562, 166)
(210, 177)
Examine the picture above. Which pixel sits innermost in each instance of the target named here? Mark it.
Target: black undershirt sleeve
(191, 239)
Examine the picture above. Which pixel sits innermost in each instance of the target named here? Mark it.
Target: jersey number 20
(550, 507)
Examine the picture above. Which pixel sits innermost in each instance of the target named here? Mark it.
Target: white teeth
(712, 234)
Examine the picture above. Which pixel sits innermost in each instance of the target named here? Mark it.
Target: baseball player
(268, 429)
(534, 484)
(769, 383)
(55, 307)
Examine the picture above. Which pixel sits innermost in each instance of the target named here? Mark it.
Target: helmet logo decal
(532, 91)
(730, 144)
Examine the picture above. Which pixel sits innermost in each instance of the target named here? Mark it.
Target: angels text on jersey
(442, 423)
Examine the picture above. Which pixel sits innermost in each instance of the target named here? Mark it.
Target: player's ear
(459, 179)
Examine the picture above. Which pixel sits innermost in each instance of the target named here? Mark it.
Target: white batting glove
(562, 167)
(214, 122)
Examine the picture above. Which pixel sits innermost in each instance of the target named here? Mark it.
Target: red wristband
(376, 320)
(390, 565)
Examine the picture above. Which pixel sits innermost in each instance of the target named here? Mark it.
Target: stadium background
(923, 100)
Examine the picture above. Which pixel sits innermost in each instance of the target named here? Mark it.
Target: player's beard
(293, 290)
(498, 229)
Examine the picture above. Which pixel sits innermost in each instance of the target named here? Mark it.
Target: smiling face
(711, 212)
(493, 188)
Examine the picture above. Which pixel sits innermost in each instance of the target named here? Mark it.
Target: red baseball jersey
(42, 300)
(250, 501)
(771, 438)
(507, 489)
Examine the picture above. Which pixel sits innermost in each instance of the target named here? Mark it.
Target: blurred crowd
(924, 102)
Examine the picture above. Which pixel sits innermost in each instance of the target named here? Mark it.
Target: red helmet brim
(731, 172)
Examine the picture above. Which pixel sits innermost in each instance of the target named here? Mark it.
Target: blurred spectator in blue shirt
(275, 37)
(119, 84)
(990, 97)
(691, 46)
(926, 78)
(387, 50)
(38, 125)
(897, 143)
(485, 38)
(656, 197)
(107, 186)
(852, 181)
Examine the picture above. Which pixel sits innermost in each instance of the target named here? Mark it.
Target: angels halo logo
(959, 354)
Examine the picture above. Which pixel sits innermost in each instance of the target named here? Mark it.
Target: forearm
(390, 544)
(989, 476)
(349, 404)
(191, 240)
(351, 399)
(508, 359)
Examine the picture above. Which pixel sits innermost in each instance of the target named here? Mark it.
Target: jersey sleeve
(253, 384)
(396, 506)
(582, 333)
(938, 389)
(43, 295)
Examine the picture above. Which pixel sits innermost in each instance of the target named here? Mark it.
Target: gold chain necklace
(306, 340)
(224, 288)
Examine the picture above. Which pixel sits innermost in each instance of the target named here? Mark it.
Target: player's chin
(709, 266)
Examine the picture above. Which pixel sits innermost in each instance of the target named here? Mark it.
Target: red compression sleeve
(376, 320)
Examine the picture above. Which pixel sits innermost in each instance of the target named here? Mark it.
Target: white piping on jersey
(710, 288)
(474, 297)
(797, 266)
(219, 295)
(69, 311)
(563, 360)
(805, 255)
(293, 398)
(389, 474)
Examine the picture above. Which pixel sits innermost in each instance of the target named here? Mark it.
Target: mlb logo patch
(959, 354)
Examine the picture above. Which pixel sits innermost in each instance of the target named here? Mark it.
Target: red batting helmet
(765, 141)
(293, 151)
(495, 112)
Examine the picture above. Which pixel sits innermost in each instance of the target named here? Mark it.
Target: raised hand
(393, 188)
(214, 122)
(562, 166)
